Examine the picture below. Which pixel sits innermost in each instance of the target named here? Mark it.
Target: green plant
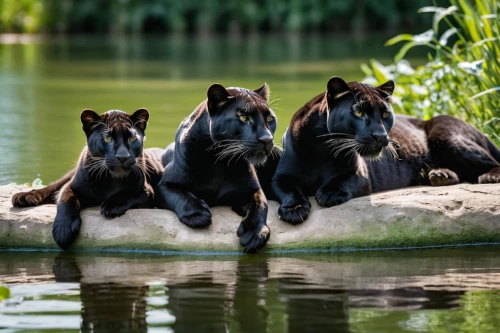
(461, 76)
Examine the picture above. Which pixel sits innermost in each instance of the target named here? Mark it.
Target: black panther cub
(337, 147)
(213, 162)
(113, 171)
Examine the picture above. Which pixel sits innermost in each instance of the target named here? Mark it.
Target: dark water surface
(44, 85)
(448, 290)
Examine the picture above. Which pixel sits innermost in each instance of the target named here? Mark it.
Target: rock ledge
(412, 217)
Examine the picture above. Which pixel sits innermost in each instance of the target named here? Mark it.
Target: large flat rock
(412, 217)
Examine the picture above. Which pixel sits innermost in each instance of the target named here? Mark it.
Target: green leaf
(402, 52)
(441, 14)
(4, 293)
(399, 38)
(379, 71)
(366, 69)
(424, 37)
(486, 92)
(447, 34)
(430, 9)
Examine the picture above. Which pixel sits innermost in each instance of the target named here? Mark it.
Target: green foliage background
(462, 75)
(136, 16)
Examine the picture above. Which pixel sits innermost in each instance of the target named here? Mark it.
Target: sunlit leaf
(4, 293)
(447, 34)
(424, 37)
(430, 9)
(405, 68)
(474, 68)
(402, 52)
(366, 69)
(485, 92)
(399, 38)
(379, 71)
(440, 15)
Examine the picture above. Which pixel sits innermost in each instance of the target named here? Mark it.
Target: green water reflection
(451, 290)
(44, 85)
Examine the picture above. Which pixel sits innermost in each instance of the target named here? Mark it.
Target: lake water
(447, 290)
(44, 85)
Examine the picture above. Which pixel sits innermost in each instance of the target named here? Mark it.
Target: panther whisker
(223, 143)
(392, 151)
(277, 152)
(353, 151)
(337, 150)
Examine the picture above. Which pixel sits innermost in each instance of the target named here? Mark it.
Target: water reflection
(381, 292)
(106, 307)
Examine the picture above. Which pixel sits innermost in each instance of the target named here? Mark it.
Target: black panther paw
(113, 207)
(443, 177)
(329, 199)
(27, 199)
(196, 214)
(295, 213)
(65, 229)
(253, 238)
(491, 177)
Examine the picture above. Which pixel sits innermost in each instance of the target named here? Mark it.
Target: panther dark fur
(113, 171)
(337, 148)
(214, 158)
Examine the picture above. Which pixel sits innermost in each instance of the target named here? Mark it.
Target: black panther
(214, 158)
(113, 171)
(338, 147)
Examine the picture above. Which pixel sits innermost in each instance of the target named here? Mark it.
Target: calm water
(45, 85)
(451, 290)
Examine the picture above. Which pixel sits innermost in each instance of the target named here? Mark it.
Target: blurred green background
(58, 57)
(208, 16)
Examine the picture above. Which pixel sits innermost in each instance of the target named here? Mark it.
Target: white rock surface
(420, 216)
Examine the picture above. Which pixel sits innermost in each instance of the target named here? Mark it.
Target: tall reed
(462, 74)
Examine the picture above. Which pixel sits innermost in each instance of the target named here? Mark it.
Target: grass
(462, 74)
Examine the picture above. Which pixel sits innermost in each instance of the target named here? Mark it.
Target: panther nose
(122, 158)
(267, 141)
(381, 138)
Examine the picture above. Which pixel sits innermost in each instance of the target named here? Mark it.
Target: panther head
(242, 124)
(114, 141)
(360, 117)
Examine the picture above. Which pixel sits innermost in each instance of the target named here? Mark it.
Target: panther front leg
(191, 210)
(253, 230)
(294, 205)
(342, 189)
(67, 222)
(119, 203)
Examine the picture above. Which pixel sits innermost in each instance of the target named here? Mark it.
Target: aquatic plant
(462, 74)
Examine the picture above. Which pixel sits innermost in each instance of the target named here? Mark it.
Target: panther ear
(386, 89)
(337, 88)
(263, 91)
(217, 97)
(140, 118)
(89, 119)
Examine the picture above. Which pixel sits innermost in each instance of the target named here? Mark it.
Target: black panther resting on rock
(337, 148)
(213, 162)
(113, 171)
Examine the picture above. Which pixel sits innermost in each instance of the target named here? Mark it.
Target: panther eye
(269, 119)
(243, 118)
(386, 114)
(107, 138)
(132, 138)
(358, 114)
